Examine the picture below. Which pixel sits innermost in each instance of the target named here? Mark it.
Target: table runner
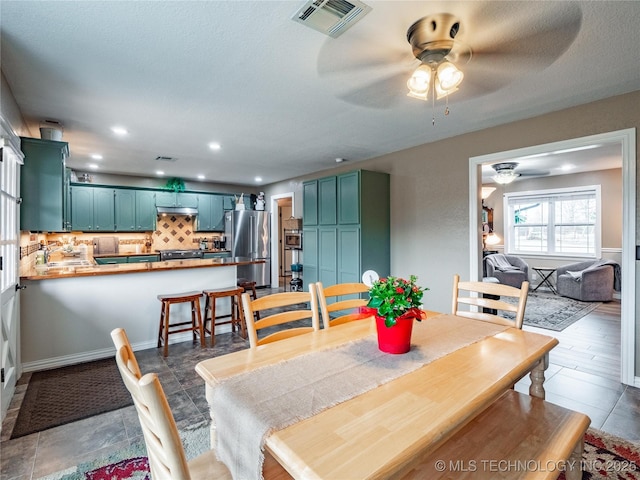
(247, 407)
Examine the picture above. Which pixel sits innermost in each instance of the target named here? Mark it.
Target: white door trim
(627, 138)
(275, 233)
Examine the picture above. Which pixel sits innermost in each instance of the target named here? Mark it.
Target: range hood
(177, 211)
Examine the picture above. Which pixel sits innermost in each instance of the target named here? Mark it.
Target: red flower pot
(395, 339)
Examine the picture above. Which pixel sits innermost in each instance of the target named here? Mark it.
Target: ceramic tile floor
(582, 376)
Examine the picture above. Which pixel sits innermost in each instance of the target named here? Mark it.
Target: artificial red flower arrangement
(395, 298)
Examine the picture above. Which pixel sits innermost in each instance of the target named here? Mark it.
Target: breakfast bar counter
(67, 313)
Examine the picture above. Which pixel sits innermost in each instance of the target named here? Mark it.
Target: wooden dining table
(385, 431)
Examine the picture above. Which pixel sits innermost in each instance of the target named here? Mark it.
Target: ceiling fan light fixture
(419, 82)
(504, 177)
(449, 77)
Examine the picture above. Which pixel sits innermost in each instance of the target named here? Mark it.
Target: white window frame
(557, 192)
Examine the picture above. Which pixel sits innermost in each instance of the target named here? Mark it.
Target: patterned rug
(606, 457)
(553, 312)
(63, 395)
(131, 463)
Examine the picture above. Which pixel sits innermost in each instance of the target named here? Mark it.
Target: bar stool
(249, 287)
(237, 317)
(166, 328)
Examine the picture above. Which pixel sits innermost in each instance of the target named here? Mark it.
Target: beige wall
(430, 189)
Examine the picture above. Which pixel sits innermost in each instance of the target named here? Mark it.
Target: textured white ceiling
(282, 99)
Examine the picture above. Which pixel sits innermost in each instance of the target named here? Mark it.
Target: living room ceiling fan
(506, 172)
(470, 48)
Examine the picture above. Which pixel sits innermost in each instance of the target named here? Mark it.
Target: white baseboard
(55, 362)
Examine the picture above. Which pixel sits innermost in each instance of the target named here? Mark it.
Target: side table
(545, 275)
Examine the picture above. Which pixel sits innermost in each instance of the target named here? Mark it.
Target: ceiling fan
(506, 172)
(490, 44)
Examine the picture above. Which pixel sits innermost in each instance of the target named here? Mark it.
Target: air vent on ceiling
(160, 158)
(331, 17)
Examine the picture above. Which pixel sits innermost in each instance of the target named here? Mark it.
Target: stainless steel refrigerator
(247, 234)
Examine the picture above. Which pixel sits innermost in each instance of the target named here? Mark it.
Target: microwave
(293, 240)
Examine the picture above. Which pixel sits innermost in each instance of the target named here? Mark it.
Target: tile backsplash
(175, 232)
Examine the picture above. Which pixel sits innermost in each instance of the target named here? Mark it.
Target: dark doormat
(66, 394)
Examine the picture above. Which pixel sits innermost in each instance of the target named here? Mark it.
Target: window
(562, 222)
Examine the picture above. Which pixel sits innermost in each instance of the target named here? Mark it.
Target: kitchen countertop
(115, 269)
(142, 254)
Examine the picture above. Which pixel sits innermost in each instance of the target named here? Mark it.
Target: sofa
(508, 269)
(590, 281)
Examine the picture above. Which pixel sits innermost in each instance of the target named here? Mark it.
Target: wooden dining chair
(490, 296)
(336, 309)
(279, 309)
(166, 455)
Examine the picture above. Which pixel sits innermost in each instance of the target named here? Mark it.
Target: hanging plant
(175, 184)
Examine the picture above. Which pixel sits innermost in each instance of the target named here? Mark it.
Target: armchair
(590, 281)
(508, 269)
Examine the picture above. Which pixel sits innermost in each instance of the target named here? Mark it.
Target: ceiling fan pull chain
(433, 104)
(446, 105)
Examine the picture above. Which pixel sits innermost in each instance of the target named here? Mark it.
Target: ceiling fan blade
(537, 42)
(533, 173)
(357, 51)
(382, 93)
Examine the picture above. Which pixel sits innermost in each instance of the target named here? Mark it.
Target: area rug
(131, 463)
(605, 457)
(608, 457)
(552, 312)
(63, 395)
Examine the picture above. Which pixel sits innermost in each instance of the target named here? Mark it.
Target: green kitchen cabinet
(110, 260)
(359, 237)
(228, 202)
(327, 201)
(327, 256)
(348, 193)
(92, 209)
(310, 202)
(104, 210)
(176, 199)
(43, 186)
(82, 208)
(310, 252)
(216, 255)
(125, 209)
(135, 210)
(143, 258)
(146, 212)
(210, 213)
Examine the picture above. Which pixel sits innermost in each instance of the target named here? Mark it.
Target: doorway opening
(282, 207)
(625, 139)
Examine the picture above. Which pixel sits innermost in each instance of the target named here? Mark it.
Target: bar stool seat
(166, 327)
(249, 287)
(236, 317)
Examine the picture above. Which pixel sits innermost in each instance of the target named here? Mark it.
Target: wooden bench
(518, 436)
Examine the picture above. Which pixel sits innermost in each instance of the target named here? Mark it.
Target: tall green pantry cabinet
(44, 186)
(346, 227)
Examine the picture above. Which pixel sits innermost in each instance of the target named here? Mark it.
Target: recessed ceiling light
(258, 179)
(339, 160)
(119, 130)
(96, 156)
(567, 167)
(214, 146)
(159, 172)
(200, 177)
(93, 166)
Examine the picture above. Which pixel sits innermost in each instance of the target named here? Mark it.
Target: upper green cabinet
(135, 210)
(210, 212)
(310, 202)
(43, 186)
(92, 209)
(352, 231)
(176, 199)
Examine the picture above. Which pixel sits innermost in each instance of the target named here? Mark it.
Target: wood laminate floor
(583, 375)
